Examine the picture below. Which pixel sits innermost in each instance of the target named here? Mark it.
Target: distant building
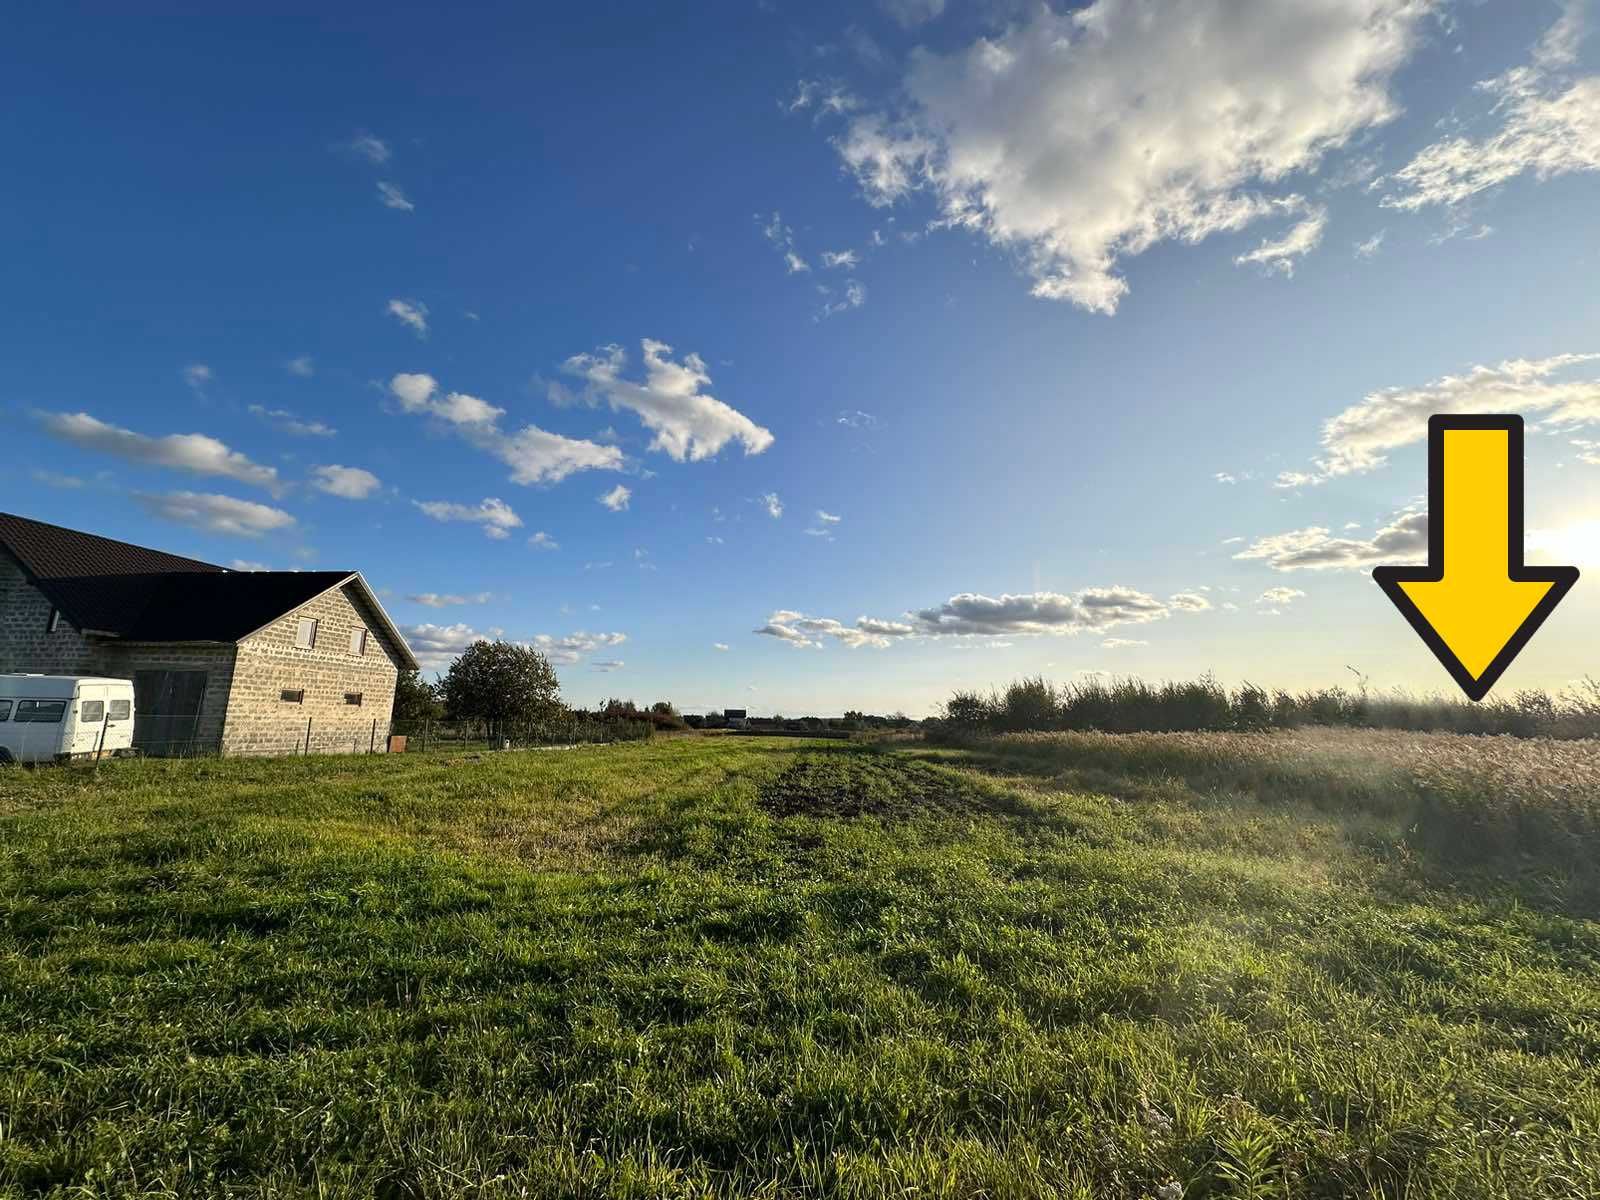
(737, 718)
(231, 662)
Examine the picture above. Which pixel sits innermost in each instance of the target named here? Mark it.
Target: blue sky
(1067, 339)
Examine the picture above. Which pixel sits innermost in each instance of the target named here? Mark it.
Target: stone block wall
(26, 643)
(269, 663)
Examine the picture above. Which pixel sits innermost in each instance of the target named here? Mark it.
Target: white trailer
(53, 718)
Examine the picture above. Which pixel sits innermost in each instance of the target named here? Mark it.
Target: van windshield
(41, 712)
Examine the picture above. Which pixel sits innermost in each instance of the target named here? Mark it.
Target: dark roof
(49, 551)
(197, 606)
(126, 591)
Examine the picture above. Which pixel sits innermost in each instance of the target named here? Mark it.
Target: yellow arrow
(1475, 604)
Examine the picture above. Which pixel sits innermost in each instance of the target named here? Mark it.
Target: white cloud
(1403, 540)
(390, 196)
(1280, 254)
(543, 541)
(973, 615)
(782, 237)
(1548, 125)
(856, 419)
(349, 483)
(834, 259)
(617, 498)
(1360, 438)
(301, 365)
(1225, 477)
(215, 514)
(565, 651)
(411, 313)
(911, 13)
(374, 150)
(855, 295)
(196, 453)
(56, 479)
(720, 646)
(197, 376)
(534, 455)
(435, 600)
(247, 564)
(607, 665)
(773, 505)
(1370, 247)
(1119, 643)
(828, 518)
(828, 97)
(494, 515)
(1280, 597)
(1080, 138)
(800, 630)
(436, 645)
(288, 422)
(1092, 609)
(672, 401)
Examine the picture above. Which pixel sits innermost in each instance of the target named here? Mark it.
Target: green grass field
(741, 967)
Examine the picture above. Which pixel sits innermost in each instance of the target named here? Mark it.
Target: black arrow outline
(1390, 578)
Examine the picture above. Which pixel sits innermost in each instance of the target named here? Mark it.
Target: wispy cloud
(390, 195)
(288, 422)
(374, 149)
(543, 541)
(198, 376)
(301, 365)
(436, 600)
(195, 453)
(211, 513)
(495, 516)
(617, 498)
(1403, 540)
(1546, 126)
(535, 456)
(348, 483)
(773, 504)
(413, 314)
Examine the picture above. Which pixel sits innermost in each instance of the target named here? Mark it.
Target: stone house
(230, 662)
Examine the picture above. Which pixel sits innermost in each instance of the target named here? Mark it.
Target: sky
(804, 357)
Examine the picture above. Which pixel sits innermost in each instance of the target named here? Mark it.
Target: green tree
(416, 701)
(502, 687)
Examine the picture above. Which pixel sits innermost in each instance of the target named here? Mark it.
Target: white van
(52, 718)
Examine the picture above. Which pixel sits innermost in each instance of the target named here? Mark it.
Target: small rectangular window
(55, 620)
(358, 641)
(92, 712)
(352, 697)
(5, 710)
(293, 695)
(306, 634)
(40, 712)
(121, 710)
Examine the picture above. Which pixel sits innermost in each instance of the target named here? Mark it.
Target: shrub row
(1204, 705)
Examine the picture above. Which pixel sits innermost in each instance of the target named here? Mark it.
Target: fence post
(308, 737)
(427, 726)
(372, 744)
(100, 743)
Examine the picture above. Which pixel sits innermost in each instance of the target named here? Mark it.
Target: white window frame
(358, 642)
(300, 640)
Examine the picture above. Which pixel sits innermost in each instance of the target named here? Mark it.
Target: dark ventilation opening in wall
(352, 697)
(293, 695)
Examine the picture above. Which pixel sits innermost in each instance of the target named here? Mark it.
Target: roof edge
(389, 627)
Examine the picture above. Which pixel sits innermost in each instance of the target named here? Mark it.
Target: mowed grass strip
(744, 967)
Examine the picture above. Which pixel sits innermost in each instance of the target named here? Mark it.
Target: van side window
(5, 710)
(92, 712)
(40, 712)
(121, 710)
